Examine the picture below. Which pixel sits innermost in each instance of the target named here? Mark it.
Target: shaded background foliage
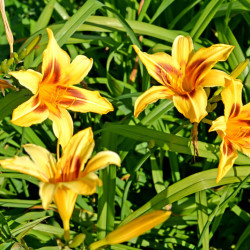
(119, 77)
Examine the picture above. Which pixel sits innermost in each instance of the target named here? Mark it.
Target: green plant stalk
(170, 142)
(44, 17)
(187, 186)
(219, 212)
(157, 112)
(129, 182)
(244, 236)
(163, 6)
(71, 25)
(202, 216)
(106, 194)
(223, 204)
(205, 18)
(109, 24)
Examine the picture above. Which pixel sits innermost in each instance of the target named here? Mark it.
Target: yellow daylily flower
(54, 92)
(4, 84)
(233, 128)
(62, 181)
(133, 229)
(183, 76)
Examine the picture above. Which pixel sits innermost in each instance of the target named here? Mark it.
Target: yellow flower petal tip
(183, 76)
(54, 91)
(233, 127)
(133, 229)
(62, 181)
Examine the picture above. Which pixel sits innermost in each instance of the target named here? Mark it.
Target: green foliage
(158, 167)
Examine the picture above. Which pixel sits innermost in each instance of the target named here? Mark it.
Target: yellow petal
(244, 146)
(76, 154)
(192, 105)
(85, 185)
(56, 67)
(203, 60)
(65, 200)
(78, 69)
(24, 165)
(62, 126)
(55, 61)
(231, 97)
(46, 192)
(133, 229)
(150, 96)
(30, 112)
(42, 158)
(30, 79)
(160, 64)
(214, 78)
(82, 100)
(182, 49)
(245, 112)
(102, 160)
(227, 158)
(238, 130)
(220, 126)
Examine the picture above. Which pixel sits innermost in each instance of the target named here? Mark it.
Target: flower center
(238, 131)
(54, 95)
(174, 80)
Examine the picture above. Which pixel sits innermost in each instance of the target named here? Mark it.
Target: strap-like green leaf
(190, 185)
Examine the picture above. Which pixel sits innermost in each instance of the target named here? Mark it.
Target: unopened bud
(133, 228)
(23, 53)
(4, 66)
(207, 90)
(213, 106)
(15, 55)
(77, 241)
(10, 61)
(216, 98)
(33, 43)
(239, 69)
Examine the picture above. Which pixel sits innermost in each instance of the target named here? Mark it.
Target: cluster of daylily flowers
(182, 76)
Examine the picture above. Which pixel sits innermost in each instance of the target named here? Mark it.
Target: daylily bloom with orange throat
(62, 181)
(233, 128)
(183, 76)
(54, 92)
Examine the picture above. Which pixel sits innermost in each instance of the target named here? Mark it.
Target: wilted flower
(4, 84)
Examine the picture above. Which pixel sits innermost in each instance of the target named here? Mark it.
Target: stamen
(61, 93)
(60, 97)
(173, 83)
(163, 78)
(239, 133)
(71, 103)
(58, 151)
